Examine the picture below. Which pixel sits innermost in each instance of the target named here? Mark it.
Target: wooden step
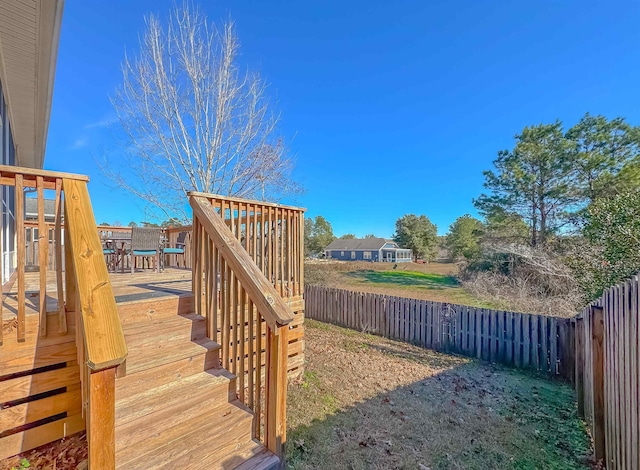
(176, 328)
(262, 460)
(215, 436)
(168, 424)
(141, 380)
(153, 309)
(211, 383)
(248, 455)
(166, 350)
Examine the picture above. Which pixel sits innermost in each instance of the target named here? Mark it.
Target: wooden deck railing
(83, 291)
(245, 262)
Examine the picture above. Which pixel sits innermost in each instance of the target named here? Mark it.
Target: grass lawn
(370, 403)
(433, 281)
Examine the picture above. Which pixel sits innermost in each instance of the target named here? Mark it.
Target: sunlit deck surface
(142, 285)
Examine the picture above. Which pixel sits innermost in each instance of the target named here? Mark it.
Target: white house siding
(7, 157)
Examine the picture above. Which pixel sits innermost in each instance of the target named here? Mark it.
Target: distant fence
(607, 363)
(537, 342)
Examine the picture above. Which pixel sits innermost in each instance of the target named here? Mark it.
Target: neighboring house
(29, 33)
(367, 249)
(31, 209)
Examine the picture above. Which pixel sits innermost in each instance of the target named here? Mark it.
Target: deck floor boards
(127, 287)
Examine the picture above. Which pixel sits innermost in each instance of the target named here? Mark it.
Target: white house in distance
(367, 249)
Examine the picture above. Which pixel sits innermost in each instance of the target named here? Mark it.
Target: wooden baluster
(289, 293)
(294, 252)
(239, 224)
(262, 242)
(276, 399)
(62, 317)
(270, 250)
(212, 314)
(276, 250)
(101, 419)
(251, 352)
(255, 234)
(71, 288)
(20, 255)
(43, 246)
(257, 389)
(241, 346)
(282, 241)
(202, 247)
(300, 260)
(227, 314)
(224, 325)
(247, 232)
(235, 295)
(195, 262)
(232, 217)
(207, 277)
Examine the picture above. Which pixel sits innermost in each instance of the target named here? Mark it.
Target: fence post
(579, 365)
(597, 338)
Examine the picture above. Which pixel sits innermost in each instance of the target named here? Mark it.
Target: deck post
(101, 420)
(276, 418)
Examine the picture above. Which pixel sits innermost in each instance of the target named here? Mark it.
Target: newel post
(101, 419)
(276, 396)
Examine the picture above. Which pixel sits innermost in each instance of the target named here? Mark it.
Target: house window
(353, 255)
(342, 253)
(366, 255)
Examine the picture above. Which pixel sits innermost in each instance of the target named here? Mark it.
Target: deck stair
(176, 407)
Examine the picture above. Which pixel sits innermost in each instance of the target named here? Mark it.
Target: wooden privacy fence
(607, 383)
(536, 342)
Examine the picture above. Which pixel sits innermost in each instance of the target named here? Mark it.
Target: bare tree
(193, 120)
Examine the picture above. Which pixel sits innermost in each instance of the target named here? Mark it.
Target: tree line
(560, 212)
(559, 217)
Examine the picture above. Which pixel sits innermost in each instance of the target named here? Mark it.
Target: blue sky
(390, 107)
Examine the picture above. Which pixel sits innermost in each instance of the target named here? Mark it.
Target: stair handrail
(276, 312)
(103, 335)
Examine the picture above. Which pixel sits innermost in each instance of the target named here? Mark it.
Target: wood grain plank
(105, 344)
(58, 247)
(43, 246)
(20, 254)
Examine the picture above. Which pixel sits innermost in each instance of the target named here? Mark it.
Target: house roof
(29, 33)
(31, 207)
(357, 244)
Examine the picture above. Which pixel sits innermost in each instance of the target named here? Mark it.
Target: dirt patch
(368, 402)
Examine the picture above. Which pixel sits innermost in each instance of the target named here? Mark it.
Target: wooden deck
(143, 285)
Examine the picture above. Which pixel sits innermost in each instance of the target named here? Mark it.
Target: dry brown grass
(371, 403)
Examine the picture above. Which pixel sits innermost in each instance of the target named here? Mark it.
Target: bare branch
(193, 121)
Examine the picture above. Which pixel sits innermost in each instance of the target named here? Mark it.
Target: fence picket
(507, 337)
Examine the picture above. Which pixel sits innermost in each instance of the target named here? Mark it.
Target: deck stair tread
(176, 407)
(263, 459)
(165, 330)
(176, 440)
(211, 382)
(165, 352)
